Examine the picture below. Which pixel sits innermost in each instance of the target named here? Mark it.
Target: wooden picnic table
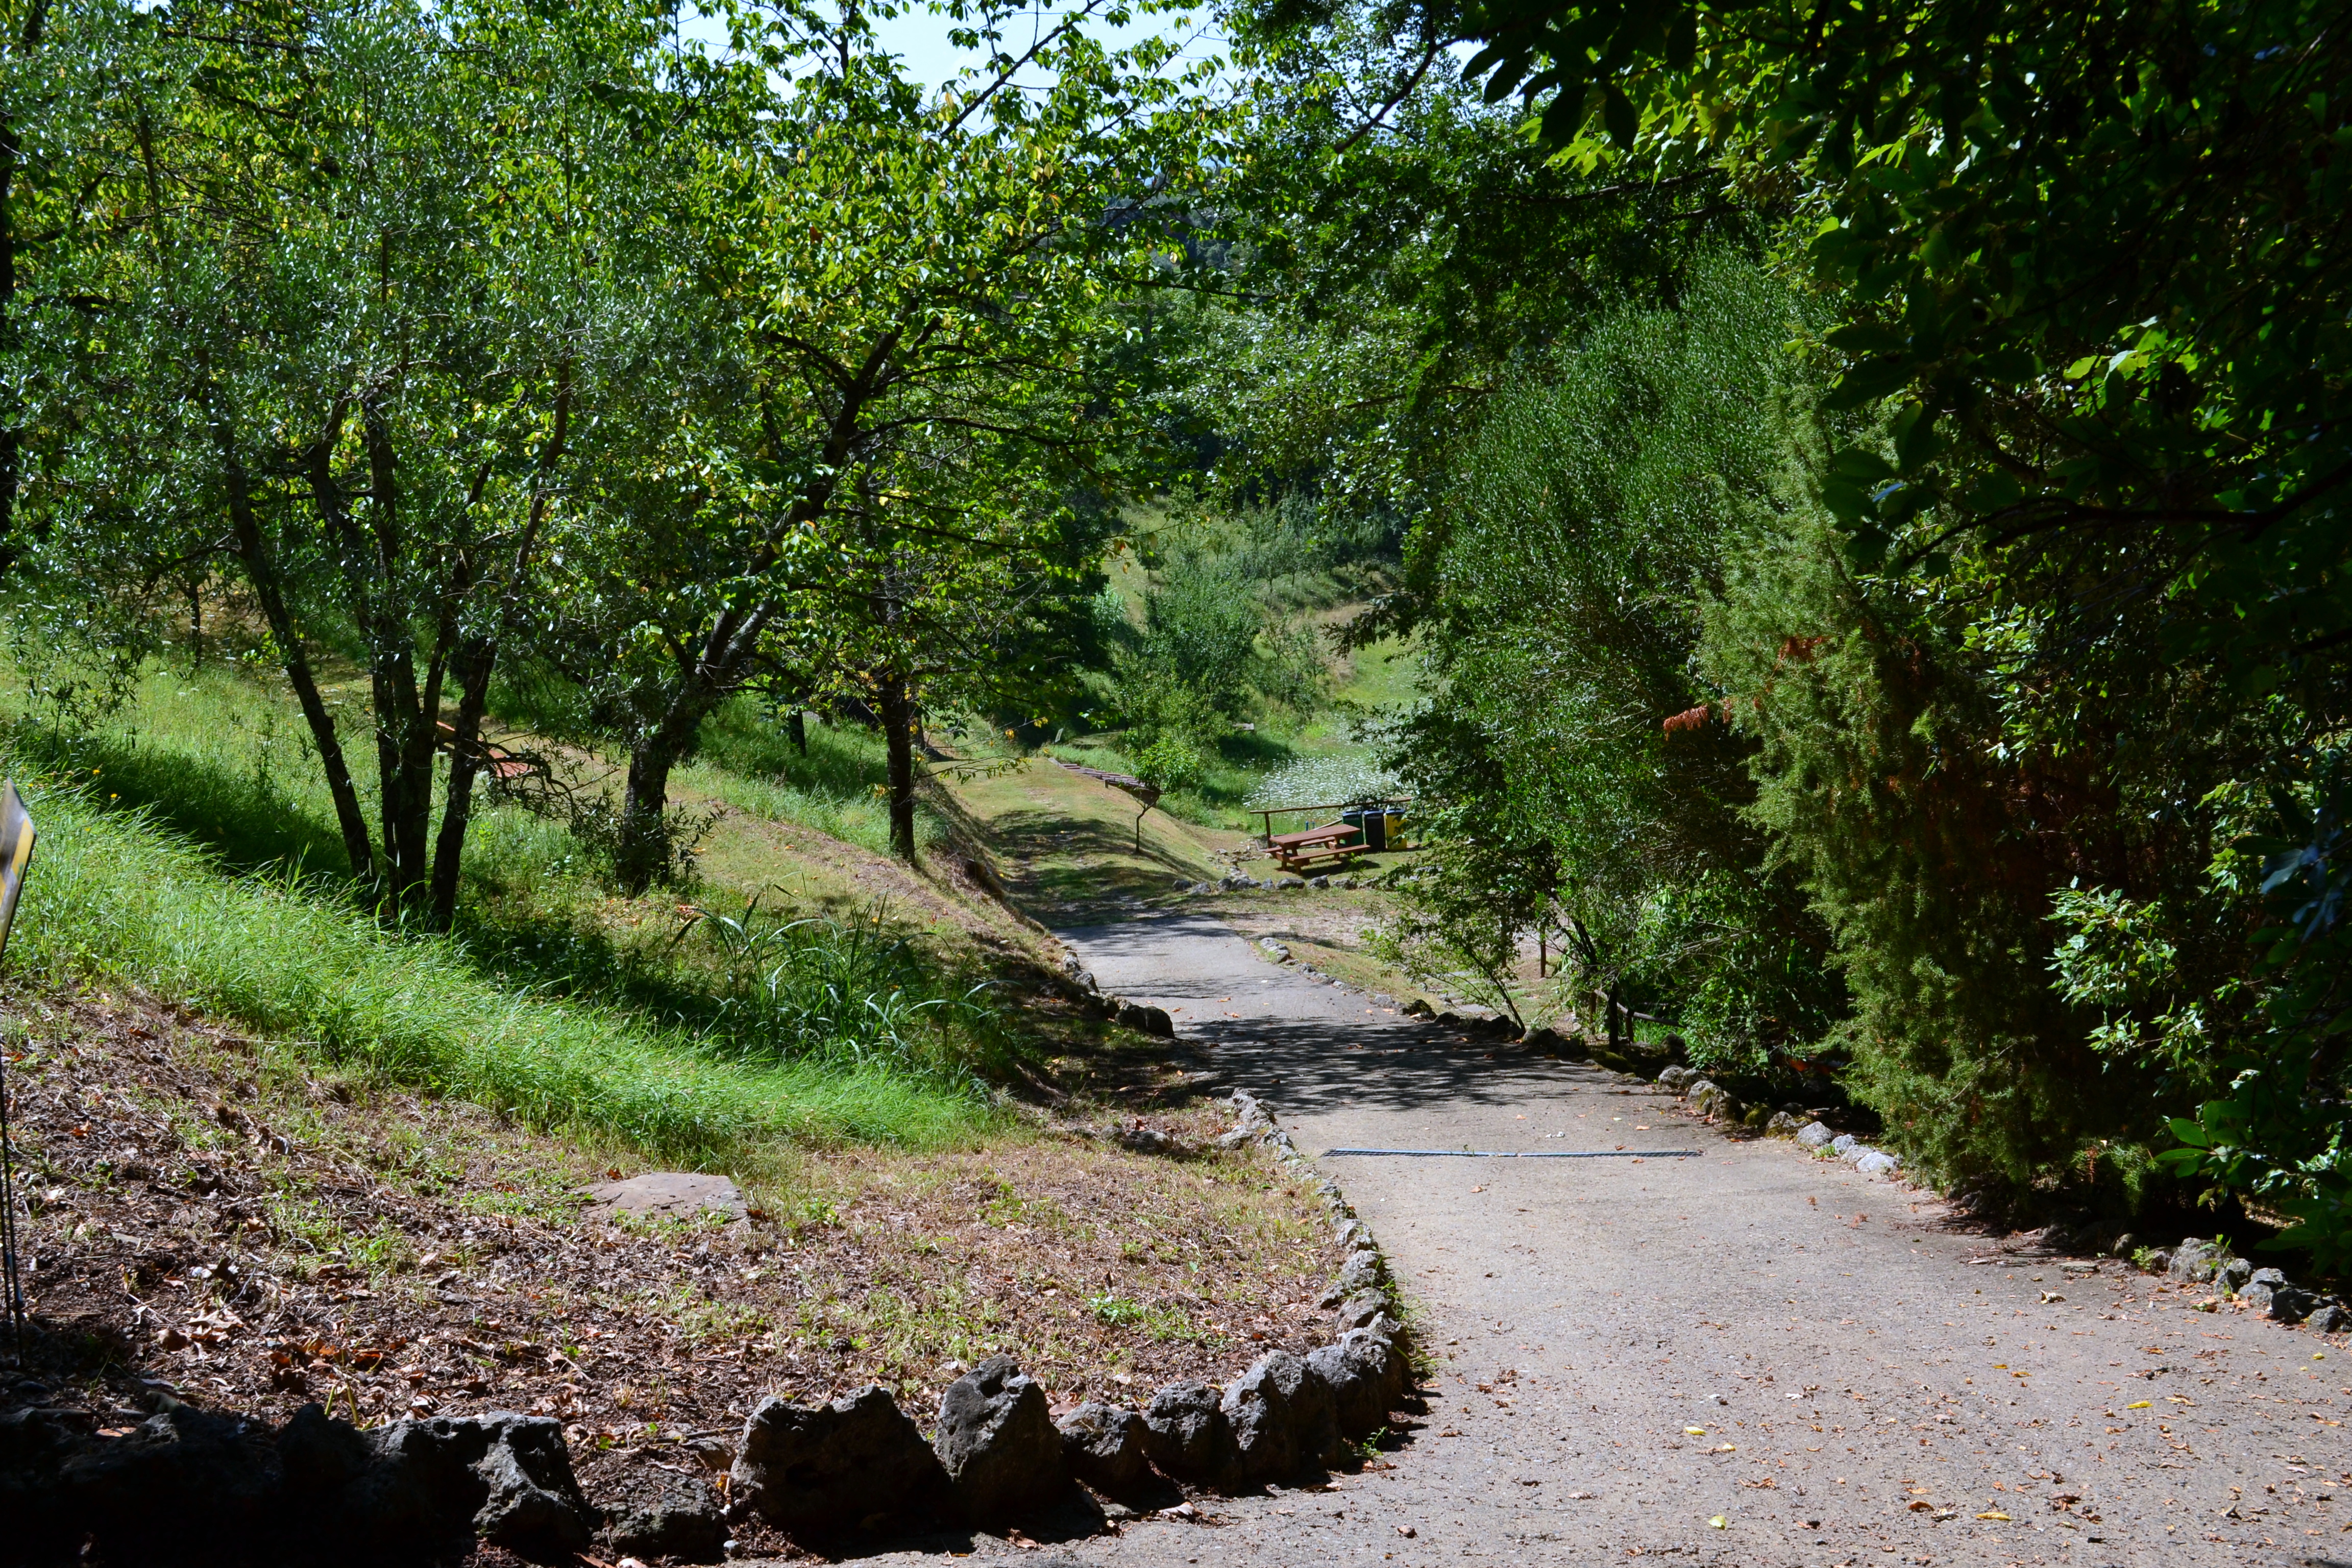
(1295, 851)
(1329, 833)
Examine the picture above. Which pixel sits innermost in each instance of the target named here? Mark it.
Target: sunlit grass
(188, 846)
(116, 898)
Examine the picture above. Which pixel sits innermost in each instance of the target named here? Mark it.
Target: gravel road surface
(1747, 1357)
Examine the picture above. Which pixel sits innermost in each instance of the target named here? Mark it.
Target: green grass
(187, 847)
(116, 897)
(748, 762)
(1385, 676)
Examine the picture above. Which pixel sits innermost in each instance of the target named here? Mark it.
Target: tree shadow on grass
(249, 824)
(1111, 870)
(244, 817)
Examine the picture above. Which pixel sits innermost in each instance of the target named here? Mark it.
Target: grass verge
(116, 897)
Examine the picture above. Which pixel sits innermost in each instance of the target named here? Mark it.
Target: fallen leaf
(2137, 1404)
(1406, 1531)
(1719, 1522)
(1994, 1513)
(1694, 1431)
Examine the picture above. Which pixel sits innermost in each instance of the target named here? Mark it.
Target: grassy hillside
(187, 848)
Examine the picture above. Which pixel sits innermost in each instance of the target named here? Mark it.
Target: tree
(911, 295)
(2101, 250)
(1576, 775)
(332, 335)
(2094, 262)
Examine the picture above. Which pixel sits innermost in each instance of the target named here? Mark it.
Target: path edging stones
(1000, 1461)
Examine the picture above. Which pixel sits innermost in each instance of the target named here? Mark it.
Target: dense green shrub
(1561, 592)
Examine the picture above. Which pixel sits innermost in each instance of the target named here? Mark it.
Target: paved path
(1627, 1351)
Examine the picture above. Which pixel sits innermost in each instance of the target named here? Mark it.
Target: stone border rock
(997, 1460)
(2206, 1260)
(189, 1483)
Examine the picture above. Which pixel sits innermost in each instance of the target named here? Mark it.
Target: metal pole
(9, 1281)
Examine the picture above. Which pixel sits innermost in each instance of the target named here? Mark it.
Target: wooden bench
(1339, 852)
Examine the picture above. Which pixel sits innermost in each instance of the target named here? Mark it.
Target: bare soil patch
(214, 1218)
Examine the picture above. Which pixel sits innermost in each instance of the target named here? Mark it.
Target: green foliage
(1563, 586)
(1928, 859)
(1171, 763)
(2011, 628)
(851, 991)
(1213, 648)
(2078, 240)
(2284, 1131)
(343, 275)
(1200, 629)
(1408, 253)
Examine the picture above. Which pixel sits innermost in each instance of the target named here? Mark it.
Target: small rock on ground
(670, 1195)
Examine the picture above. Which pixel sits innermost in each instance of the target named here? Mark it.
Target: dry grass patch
(1101, 1270)
(212, 1218)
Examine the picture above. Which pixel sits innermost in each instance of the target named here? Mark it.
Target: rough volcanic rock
(803, 1468)
(2197, 1260)
(35, 1446)
(1146, 1020)
(657, 1514)
(2260, 1287)
(1362, 1272)
(997, 1442)
(1280, 1415)
(182, 1473)
(1358, 1373)
(1374, 1350)
(504, 1477)
(1185, 1432)
(1103, 1444)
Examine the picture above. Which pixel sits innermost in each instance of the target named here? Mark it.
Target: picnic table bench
(1337, 841)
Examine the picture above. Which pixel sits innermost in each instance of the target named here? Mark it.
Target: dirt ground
(214, 1218)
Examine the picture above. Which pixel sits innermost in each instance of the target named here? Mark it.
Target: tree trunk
(474, 666)
(471, 665)
(405, 713)
(261, 571)
(643, 852)
(897, 716)
(796, 729)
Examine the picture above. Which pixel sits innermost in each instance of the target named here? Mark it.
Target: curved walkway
(1747, 1358)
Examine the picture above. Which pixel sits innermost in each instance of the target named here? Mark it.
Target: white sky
(919, 38)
